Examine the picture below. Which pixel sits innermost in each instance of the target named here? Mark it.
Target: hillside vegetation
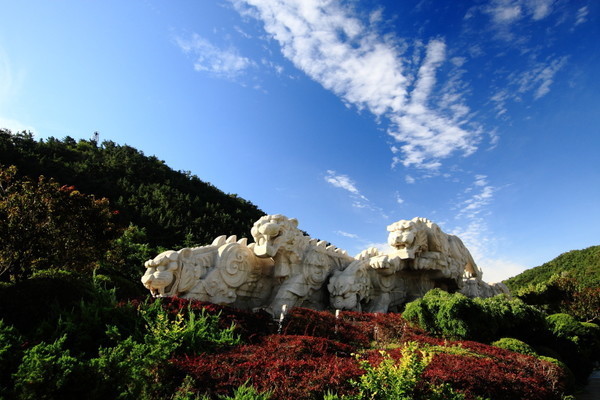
(174, 207)
(75, 321)
(582, 265)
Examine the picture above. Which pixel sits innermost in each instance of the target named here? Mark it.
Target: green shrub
(189, 331)
(391, 379)
(456, 316)
(247, 392)
(48, 371)
(508, 317)
(565, 326)
(442, 313)
(575, 342)
(515, 345)
(10, 354)
(399, 379)
(129, 370)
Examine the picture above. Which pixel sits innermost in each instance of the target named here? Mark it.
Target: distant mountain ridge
(583, 265)
(174, 207)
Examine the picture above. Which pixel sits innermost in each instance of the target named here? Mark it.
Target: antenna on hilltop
(95, 136)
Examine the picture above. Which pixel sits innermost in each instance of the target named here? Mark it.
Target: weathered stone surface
(284, 267)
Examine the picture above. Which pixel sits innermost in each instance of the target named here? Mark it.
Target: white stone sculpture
(474, 288)
(284, 267)
(368, 285)
(423, 258)
(225, 272)
(302, 266)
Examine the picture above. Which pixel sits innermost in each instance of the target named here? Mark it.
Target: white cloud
(473, 206)
(224, 63)
(333, 47)
(348, 235)
(480, 180)
(505, 12)
(497, 270)
(399, 199)
(343, 182)
(539, 78)
(409, 179)
(14, 125)
(582, 14)
(359, 201)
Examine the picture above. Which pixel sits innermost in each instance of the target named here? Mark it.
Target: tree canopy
(172, 206)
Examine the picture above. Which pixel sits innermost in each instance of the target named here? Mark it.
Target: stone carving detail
(218, 273)
(302, 265)
(286, 267)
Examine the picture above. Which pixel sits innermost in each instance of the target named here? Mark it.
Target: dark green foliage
(10, 355)
(173, 207)
(189, 331)
(452, 315)
(455, 315)
(46, 297)
(577, 343)
(582, 265)
(48, 371)
(246, 392)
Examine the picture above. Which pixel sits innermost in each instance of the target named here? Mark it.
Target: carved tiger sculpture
(302, 265)
(421, 240)
(365, 286)
(225, 272)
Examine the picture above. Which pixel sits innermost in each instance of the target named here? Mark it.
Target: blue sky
(482, 116)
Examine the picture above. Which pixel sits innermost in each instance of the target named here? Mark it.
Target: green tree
(48, 226)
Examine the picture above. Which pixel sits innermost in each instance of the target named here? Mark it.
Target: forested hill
(583, 265)
(174, 207)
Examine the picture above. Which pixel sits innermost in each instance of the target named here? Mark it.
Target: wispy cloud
(474, 205)
(504, 12)
(368, 71)
(540, 77)
(359, 201)
(15, 126)
(399, 199)
(348, 235)
(537, 81)
(582, 15)
(343, 182)
(221, 62)
(476, 235)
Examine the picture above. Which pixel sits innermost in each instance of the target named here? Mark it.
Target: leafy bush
(401, 379)
(577, 343)
(293, 367)
(49, 226)
(565, 326)
(189, 331)
(497, 374)
(456, 316)
(515, 345)
(48, 371)
(10, 354)
(391, 379)
(247, 392)
(129, 370)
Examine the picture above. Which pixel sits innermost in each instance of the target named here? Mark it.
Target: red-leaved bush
(293, 367)
(314, 354)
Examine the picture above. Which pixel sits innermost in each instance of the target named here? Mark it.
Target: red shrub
(303, 321)
(293, 367)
